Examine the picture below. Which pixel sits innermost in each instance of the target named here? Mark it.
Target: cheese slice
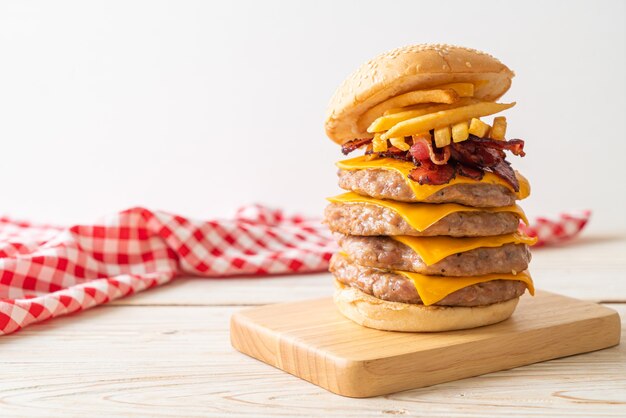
(422, 192)
(432, 289)
(434, 249)
(423, 215)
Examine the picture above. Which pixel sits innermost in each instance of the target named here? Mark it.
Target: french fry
(442, 136)
(478, 127)
(463, 101)
(460, 131)
(498, 131)
(399, 143)
(379, 145)
(425, 135)
(422, 96)
(480, 83)
(413, 107)
(462, 89)
(413, 97)
(445, 117)
(386, 122)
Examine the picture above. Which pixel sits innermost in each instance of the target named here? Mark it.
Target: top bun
(410, 68)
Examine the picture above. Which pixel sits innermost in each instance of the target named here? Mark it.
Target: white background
(199, 107)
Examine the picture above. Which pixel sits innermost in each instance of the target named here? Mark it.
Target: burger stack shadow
(428, 225)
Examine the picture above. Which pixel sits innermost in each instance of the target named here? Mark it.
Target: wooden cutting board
(311, 340)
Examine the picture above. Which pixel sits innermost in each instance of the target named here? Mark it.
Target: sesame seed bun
(376, 313)
(407, 69)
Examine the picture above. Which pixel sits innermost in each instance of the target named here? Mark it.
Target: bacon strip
(504, 171)
(423, 150)
(350, 146)
(392, 152)
(516, 146)
(420, 150)
(470, 172)
(472, 153)
(429, 173)
(434, 157)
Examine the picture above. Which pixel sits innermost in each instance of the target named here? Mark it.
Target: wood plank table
(166, 353)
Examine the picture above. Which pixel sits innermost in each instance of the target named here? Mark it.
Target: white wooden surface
(166, 353)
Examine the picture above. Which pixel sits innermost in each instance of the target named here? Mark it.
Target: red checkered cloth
(557, 229)
(49, 271)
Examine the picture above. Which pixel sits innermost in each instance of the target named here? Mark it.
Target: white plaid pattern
(64, 270)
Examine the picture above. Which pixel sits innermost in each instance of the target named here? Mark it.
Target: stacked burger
(428, 227)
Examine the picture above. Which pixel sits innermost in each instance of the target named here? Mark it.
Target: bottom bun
(380, 314)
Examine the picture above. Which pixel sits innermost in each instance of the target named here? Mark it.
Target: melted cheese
(422, 192)
(432, 289)
(434, 249)
(422, 215)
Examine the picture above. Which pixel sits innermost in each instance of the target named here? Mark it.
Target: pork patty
(387, 184)
(394, 287)
(387, 253)
(360, 218)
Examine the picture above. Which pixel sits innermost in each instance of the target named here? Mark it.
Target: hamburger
(428, 223)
